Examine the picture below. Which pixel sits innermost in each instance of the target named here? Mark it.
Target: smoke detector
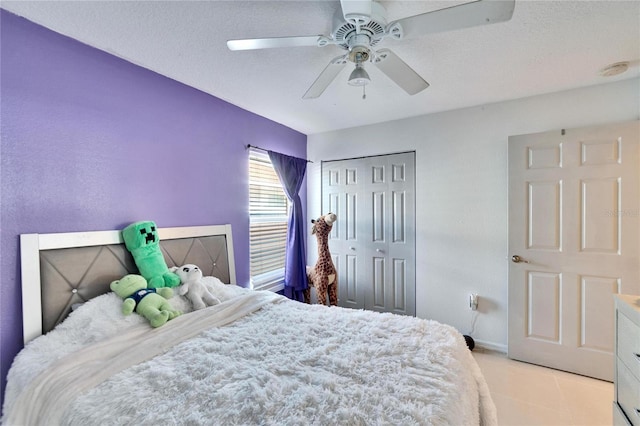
(614, 69)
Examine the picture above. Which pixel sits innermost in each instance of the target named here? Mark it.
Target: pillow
(221, 290)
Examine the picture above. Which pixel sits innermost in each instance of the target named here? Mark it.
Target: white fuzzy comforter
(285, 363)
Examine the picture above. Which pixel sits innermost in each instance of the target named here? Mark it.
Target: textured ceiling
(547, 46)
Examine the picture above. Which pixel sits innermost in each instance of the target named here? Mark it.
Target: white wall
(461, 186)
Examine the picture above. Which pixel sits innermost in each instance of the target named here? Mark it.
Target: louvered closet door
(373, 242)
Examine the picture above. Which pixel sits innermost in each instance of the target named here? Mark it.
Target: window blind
(268, 217)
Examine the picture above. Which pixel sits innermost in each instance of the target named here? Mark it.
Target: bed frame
(64, 269)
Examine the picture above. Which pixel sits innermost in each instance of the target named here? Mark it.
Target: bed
(255, 358)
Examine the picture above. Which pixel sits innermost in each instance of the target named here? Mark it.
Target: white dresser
(626, 407)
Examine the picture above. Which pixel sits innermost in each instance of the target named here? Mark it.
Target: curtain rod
(266, 150)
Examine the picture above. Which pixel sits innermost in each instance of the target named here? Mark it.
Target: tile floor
(527, 394)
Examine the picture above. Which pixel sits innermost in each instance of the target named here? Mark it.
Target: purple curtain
(291, 172)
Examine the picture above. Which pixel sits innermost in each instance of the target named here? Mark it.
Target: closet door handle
(380, 250)
(352, 248)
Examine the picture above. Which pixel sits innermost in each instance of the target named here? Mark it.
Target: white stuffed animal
(193, 287)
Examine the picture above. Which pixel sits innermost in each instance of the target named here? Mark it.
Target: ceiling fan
(361, 25)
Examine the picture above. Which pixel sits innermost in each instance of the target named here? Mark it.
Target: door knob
(517, 259)
(380, 250)
(352, 248)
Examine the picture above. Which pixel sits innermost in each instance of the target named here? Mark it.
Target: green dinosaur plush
(151, 303)
(141, 239)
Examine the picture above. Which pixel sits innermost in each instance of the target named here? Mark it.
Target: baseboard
(490, 346)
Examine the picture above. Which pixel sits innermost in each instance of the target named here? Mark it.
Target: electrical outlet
(473, 301)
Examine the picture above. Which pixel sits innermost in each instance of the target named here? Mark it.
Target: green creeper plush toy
(150, 303)
(141, 239)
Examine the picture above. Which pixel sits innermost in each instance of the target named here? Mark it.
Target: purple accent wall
(92, 142)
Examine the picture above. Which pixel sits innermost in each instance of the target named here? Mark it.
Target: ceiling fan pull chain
(364, 94)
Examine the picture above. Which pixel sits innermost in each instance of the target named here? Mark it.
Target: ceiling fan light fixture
(359, 76)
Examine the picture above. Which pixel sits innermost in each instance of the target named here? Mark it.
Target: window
(268, 219)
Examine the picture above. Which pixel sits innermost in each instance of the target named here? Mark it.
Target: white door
(574, 233)
(373, 241)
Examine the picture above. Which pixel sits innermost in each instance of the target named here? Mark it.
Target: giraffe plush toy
(323, 276)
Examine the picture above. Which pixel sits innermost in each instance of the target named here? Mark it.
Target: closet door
(340, 195)
(373, 241)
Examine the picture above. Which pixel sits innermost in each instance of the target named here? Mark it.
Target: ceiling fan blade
(326, 77)
(398, 71)
(268, 43)
(465, 15)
